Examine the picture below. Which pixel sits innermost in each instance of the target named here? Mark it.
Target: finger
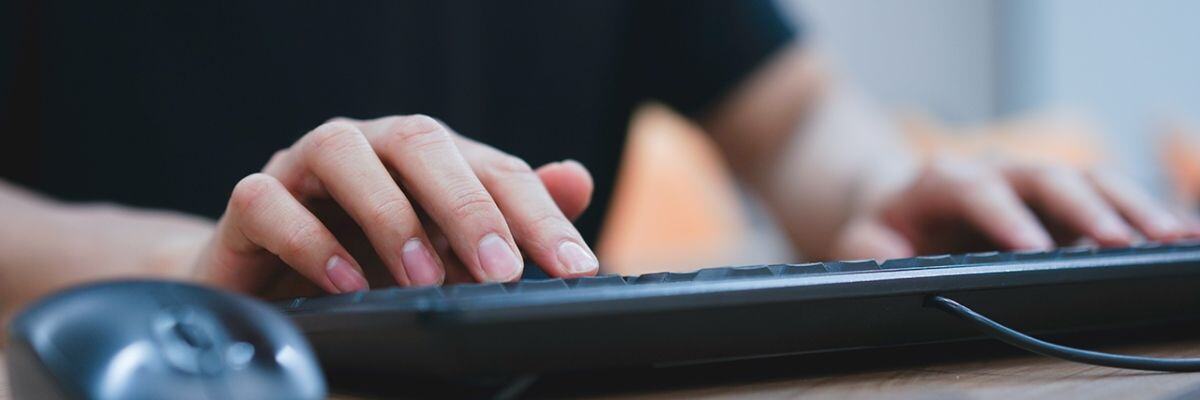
(1065, 196)
(1192, 221)
(570, 184)
(1152, 219)
(871, 239)
(287, 167)
(456, 271)
(338, 154)
(263, 215)
(996, 210)
(538, 224)
(957, 189)
(423, 154)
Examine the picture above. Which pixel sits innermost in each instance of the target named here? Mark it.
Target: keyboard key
(331, 301)
(1036, 255)
(754, 271)
(986, 257)
(1113, 251)
(476, 290)
(711, 274)
(680, 277)
(294, 303)
(400, 295)
(777, 269)
(1075, 252)
(596, 281)
(803, 269)
(1152, 247)
(919, 262)
(540, 285)
(851, 266)
(725, 273)
(656, 277)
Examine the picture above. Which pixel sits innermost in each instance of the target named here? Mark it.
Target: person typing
(444, 142)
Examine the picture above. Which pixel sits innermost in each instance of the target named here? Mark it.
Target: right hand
(402, 195)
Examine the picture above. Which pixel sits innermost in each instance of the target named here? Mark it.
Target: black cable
(1029, 343)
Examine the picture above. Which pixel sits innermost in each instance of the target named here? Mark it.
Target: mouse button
(189, 340)
(175, 349)
(193, 335)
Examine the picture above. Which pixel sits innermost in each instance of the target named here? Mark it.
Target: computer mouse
(158, 340)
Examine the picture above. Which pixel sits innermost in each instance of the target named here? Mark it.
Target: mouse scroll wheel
(193, 335)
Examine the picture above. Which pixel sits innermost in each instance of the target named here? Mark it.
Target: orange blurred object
(1181, 159)
(675, 206)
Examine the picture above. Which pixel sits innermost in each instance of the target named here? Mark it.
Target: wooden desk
(1004, 375)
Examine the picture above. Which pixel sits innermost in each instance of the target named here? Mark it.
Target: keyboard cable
(1035, 345)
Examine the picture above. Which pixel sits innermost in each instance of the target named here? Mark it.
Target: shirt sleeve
(690, 53)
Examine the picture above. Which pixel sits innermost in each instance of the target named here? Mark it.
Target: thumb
(570, 184)
(867, 238)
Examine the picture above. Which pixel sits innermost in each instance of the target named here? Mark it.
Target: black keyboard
(728, 313)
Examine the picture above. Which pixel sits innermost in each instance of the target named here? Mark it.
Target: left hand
(955, 206)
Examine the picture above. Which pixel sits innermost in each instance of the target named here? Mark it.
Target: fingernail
(499, 262)
(419, 264)
(575, 258)
(343, 275)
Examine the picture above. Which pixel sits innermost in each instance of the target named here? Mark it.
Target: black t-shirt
(167, 104)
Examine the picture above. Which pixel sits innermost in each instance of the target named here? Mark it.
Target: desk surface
(1004, 377)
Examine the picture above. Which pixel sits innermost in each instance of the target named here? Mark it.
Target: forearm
(841, 164)
(815, 151)
(46, 245)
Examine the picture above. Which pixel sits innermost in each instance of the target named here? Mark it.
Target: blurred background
(1090, 83)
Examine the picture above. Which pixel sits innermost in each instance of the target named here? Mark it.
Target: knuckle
(332, 138)
(278, 156)
(506, 168)
(511, 165)
(415, 131)
(391, 208)
(249, 190)
(471, 204)
(302, 239)
(548, 224)
(276, 164)
(420, 122)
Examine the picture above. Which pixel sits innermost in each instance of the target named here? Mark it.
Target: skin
(405, 200)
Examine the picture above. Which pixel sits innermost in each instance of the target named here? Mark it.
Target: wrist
(147, 243)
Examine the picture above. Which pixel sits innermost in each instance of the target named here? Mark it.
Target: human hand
(396, 200)
(956, 205)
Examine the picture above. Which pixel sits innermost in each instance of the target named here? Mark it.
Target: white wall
(1129, 66)
(1132, 66)
(934, 54)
